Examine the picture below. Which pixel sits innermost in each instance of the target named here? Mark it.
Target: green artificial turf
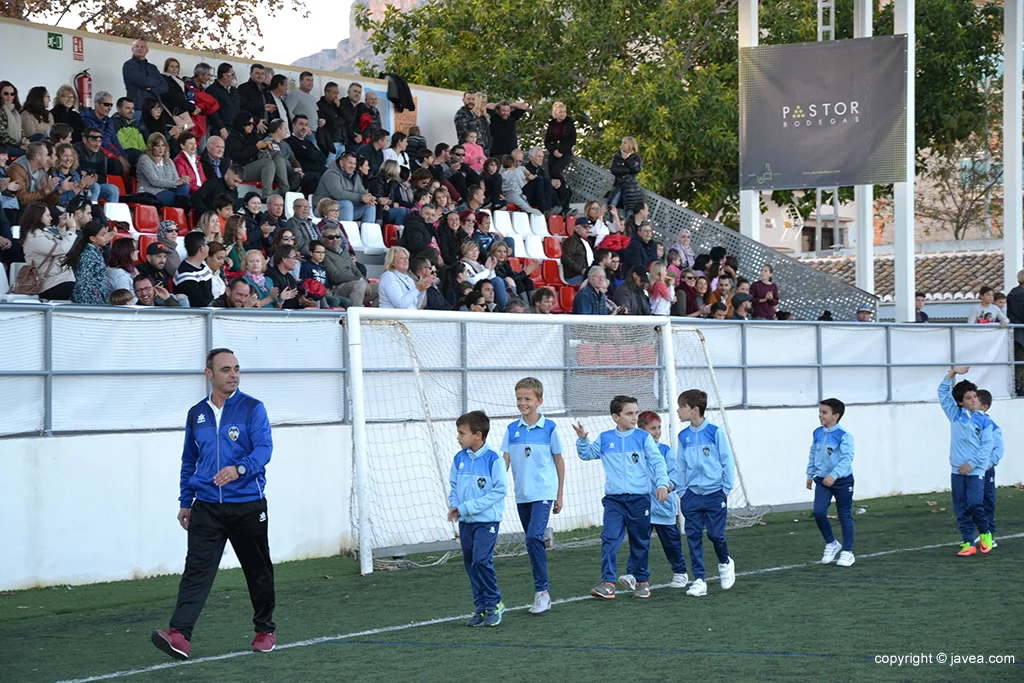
(796, 623)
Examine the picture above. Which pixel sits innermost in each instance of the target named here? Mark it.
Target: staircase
(804, 291)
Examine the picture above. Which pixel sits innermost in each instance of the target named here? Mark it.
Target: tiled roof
(943, 276)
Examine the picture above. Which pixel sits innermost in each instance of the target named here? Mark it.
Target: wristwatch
(241, 470)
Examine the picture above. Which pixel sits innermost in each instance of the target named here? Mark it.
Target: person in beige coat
(45, 245)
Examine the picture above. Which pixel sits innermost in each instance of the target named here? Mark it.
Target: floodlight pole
(864, 196)
(1013, 211)
(750, 200)
(903, 192)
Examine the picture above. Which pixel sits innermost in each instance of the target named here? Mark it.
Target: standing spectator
(345, 279)
(310, 159)
(504, 127)
(256, 100)
(592, 299)
(65, 111)
(86, 260)
(155, 264)
(46, 246)
(368, 117)
(187, 162)
(29, 171)
(349, 119)
(659, 293)
(641, 249)
(626, 166)
(577, 256)
(919, 315)
(302, 102)
(1000, 301)
(205, 120)
(142, 79)
(286, 257)
(194, 278)
(277, 90)
(483, 125)
(397, 288)
(335, 130)
(158, 176)
(543, 301)
(1015, 313)
(93, 161)
(466, 118)
(343, 185)
(765, 294)
(475, 155)
(985, 312)
(36, 120)
(229, 101)
(559, 140)
(176, 98)
(121, 265)
(741, 306)
(632, 294)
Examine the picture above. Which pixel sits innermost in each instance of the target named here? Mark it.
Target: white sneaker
(697, 588)
(541, 602)
(831, 551)
(679, 580)
(846, 559)
(628, 581)
(727, 574)
(977, 540)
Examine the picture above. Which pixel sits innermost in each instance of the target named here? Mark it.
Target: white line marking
(444, 620)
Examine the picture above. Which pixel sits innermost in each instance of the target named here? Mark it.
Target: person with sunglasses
(11, 133)
(248, 149)
(99, 117)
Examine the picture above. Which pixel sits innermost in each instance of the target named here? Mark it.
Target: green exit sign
(55, 41)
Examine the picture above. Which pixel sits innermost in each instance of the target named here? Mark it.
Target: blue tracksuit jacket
(478, 485)
(631, 461)
(665, 513)
(831, 453)
(705, 460)
(970, 434)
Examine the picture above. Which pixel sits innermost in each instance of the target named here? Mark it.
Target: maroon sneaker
(172, 642)
(264, 642)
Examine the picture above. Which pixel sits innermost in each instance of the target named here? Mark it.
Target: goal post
(413, 372)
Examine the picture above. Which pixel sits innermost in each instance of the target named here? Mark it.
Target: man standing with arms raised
(227, 448)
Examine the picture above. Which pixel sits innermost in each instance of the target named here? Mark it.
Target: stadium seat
(144, 242)
(391, 234)
(146, 218)
(118, 182)
(586, 355)
(538, 226)
(570, 225)
(373, 238)
(289, 201)
(556, 226)
(178, 216)
(538, 273)
(607, 354)
(552, 247)
(116, 211)
(15, 267)
(518, 244)
(516, 264)
(520, 224)
(16, 232)
(628, 356)
(501, 222)
(566, 295)
(246, 188)
(552, 272)
(535, 247)
(351, 229)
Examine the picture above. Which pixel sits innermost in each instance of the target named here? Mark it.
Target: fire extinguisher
(83, 84)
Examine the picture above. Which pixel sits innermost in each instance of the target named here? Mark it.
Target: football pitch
(787, 618)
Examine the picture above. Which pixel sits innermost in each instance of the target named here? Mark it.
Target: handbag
(29, 281)
(183, 121)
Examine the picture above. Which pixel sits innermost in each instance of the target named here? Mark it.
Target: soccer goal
(414, 372)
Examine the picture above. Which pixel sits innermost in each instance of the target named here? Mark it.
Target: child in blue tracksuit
(663, 515)
(533, 449)
(705, 478)
(476, 500)
(631, 462)
(830, 467)
(970, 445)
(989, 496)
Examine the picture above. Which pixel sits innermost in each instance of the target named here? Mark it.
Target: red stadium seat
(566, 295)
(586, 355)
(144, 242)
(178, 216)
(512, 207)
(552, 247)
(118, 182)
(607, 354)
(146, 218)
(516, 264)
(391, 235)
(628, 356)
(647, 356)
(551, 272)
(538, 273)
(570, 224)
(556, 225)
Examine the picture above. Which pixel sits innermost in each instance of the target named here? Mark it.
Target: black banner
(825, 114)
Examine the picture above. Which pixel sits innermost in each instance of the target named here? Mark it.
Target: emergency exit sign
(55, 41)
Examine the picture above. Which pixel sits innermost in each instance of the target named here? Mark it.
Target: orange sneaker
(967, 549)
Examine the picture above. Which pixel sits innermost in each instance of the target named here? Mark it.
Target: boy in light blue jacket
(631, 462)
(477, 500)
(989, 496)
(705, 478)
(830, 467)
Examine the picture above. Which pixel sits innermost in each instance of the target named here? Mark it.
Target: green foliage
(664, 72)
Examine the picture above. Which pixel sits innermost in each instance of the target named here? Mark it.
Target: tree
(663, 71)
(226, 26)
(957, 188)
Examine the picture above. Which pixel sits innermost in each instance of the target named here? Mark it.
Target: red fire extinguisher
(83, 84)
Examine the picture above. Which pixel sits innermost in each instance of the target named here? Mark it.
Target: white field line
(444, 620)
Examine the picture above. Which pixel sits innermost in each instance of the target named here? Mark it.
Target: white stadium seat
(501, 222)
(538, 225)
(535, 247)
(354, 238)
(521, 223)
(518, 245)
(373, 238)
(16, 231)
(116, 211)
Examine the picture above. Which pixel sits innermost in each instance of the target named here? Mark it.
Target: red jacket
(207, 103)
(185, 170)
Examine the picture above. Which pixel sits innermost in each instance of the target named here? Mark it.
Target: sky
(326, 26)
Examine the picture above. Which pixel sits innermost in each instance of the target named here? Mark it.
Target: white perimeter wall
(24, 44)
(85, 509)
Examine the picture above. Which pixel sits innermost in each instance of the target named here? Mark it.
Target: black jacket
(62, 114)
(208, 164)
(1015, 312)
(241, 148)
(253, 98)
(399, 93)
(505, 133)
(450, 244)
(416, 235)
(564, 142)
(336, 128)
(174, 99)
(633, 298)
(202, 199)
(638, 254)
(283, 281)
(311, 159)
(230, 105)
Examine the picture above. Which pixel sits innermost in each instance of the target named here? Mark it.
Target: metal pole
(359, 442)
(817, 222)
(750, 200)
(864, 195)
(888, 363)
(952, 345)
(1013, 154)
(903, 192)
(668, 358)
(209, 330)
(48, 366)
(821, 371)
(567, 373)
(465, 370)
(743, 359)
(346, 378)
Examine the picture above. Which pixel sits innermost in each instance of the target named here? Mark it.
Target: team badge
(723, 503)
(977, 431)
(201, 420)
(481, 482)
(527, 452)
(233, 433)
(707, 452)
(829, 450)
(462, 465)
(516, 435)
(635, 458)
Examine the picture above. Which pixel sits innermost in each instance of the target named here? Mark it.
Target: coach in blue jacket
(223, 478)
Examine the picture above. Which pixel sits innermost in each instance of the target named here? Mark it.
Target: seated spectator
(919, 315)
(240, 294)
(473, 302)
(345, 278)
(373, 150)
(275, 214)
(470, 252)
(422, 270)
(418, 234)
(485, 236)
(443, 201)
(784, 315)
(255, 275)
(453, 282)
(397, 151)
(576, 253)
(67, 169)
(608, 260)
(100, 118)
(342, 184)
(158, 176)
(701, 263)
(121, 265)
(486, 289)
(65, 112)
(277, 131)
(985, 312)
(216, 257)
(234, 242)
(658, 291)
(450, 238)
(551, 195)
(45, 247)
(310, 159)
(213, 159)
(515, 306)
(11, 134)
(155, 265)
(280, 274)
(719, 311)
(313, 269)
(10, 249)
(60, 134)
(248, 149)
(641, 249)
(93, 161)
(765, 295)
(543, 301)
(194, 278)
(156, 119)
(674, 262)
(36, 119)
(638, 215)
(688, 303)
(513, 180)
(224, 208)
(592, 299)
(721, 293)
(703, 288)
(86, 260)
(284, 237)
(683, 248)
(205, 199)
(33, 184)
(121, 297)
(386, 188)
(259, 232)
(741, 306)
(493, 198)
(302, 226)
(632, 294)
(417, 143)
(600, 228)
(149, 293)
(187, 162)
(129, 135)
(397, 287)
(142, 79)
